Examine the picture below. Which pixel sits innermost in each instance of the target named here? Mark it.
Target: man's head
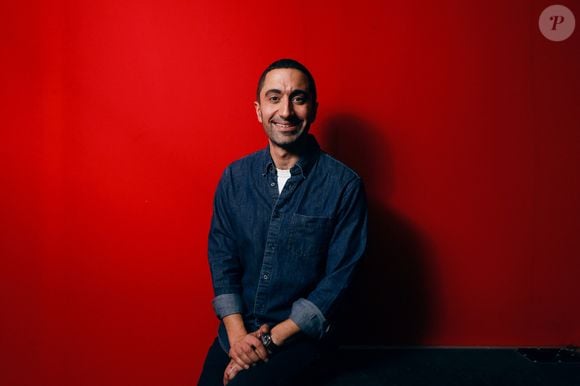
(286, 102)
(287, 63)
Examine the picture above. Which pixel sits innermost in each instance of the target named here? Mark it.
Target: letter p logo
(557, 20)
(557, 23)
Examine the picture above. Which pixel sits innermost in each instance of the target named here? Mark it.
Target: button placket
(269, 252)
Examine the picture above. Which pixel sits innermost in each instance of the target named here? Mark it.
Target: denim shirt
(275, 256)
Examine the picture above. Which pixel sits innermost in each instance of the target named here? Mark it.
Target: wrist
(284, 331)
(277, 337)
(235, 338)
(235, 328)
(269, 344)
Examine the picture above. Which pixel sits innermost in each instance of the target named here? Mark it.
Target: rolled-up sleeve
(309, 318)
(223, 256)
(227, 304)
(347, 247)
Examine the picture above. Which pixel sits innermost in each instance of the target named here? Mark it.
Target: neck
(283, 158)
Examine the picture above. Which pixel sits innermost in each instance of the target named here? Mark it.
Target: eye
(274, 98)
(299, 99)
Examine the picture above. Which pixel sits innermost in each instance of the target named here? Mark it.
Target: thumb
(264, 328)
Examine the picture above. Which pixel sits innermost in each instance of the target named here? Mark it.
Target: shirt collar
(310, 153)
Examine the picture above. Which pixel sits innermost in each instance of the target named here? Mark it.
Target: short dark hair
(287, 63)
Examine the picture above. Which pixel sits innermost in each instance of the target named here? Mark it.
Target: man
(288, 229)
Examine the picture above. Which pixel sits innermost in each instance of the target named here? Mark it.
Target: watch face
(268, 344)
(266, 339)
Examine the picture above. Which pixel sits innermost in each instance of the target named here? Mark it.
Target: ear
(258, 111)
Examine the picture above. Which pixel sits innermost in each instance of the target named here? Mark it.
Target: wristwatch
(271, 347)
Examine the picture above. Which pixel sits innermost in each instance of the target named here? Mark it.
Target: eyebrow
(299, 91)
(295, 92)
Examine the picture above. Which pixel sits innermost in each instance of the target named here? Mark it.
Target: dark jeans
(301, 363)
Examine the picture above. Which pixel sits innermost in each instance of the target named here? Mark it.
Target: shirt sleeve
(223, 258)
(347, 246)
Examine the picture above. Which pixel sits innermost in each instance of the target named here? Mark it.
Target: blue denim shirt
(290, 255)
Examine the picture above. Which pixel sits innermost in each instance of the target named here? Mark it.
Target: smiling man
(288, 230)
(287, 107)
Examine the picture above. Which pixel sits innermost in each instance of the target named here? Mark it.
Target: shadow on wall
(390, 302)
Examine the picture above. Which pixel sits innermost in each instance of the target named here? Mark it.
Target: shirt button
(266, 277)
(273, 184)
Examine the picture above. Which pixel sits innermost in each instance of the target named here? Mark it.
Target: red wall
(117, 118)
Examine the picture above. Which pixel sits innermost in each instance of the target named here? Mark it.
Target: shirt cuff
(227, 304)
(309, 318)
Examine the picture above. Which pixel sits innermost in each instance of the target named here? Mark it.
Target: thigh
(284, 367)
(214, 366)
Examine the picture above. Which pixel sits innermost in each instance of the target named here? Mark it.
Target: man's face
(286, 108)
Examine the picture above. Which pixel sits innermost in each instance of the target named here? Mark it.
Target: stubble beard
(287, 142)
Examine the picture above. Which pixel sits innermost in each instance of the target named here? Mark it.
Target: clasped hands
(246, 352)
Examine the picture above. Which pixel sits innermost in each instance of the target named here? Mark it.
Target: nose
(286, 108)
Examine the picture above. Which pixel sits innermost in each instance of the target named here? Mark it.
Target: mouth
(286, 126)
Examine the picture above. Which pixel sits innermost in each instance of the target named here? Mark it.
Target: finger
(262, 353)
(264, 328)
(254, 357)
(247, 361)
(259, 349)
(235, 358)
(241, 357)
(239, 361)
(230, 372)
(243, 360)
(234, 372)
(253, 341)
(255, 349)
(226, 378)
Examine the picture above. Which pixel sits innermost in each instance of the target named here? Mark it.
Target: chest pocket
(309, 235)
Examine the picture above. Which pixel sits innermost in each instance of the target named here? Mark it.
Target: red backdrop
(119, 116)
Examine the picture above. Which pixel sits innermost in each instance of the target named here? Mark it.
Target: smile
(284, 125)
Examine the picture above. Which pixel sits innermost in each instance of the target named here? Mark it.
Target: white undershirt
(283, 176)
